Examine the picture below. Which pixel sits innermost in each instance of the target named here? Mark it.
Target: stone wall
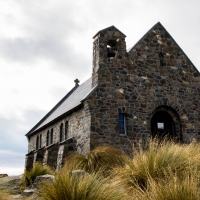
(156, 73)
(77, 140)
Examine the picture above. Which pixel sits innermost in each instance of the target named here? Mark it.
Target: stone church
(153, 89)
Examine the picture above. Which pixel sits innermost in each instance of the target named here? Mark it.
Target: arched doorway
(165, 122)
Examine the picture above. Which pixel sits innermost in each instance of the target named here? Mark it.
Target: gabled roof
(113, 28)
(159, 24)
(70, 101)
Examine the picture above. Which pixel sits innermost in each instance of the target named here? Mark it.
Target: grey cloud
(58, 92)
(33, 116)
(49, 36)
(11, 159)
(25, 49)
(12, 133)
(64, 56)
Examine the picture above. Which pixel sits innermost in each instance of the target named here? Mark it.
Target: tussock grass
(160, 159)
(163, 171)
(171, 188)
(102, 157)
(29, 176)
(84, 187)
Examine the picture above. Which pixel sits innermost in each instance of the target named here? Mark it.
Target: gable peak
(110, 28)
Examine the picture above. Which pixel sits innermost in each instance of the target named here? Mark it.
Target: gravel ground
(11, 183)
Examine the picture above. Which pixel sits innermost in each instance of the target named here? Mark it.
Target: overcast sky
(46, 44)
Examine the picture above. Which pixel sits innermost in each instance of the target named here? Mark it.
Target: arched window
(66, 129)
(122, 124)
(61, 132)
(51, 138)
(40, 142)
(47, 139)
(111, 48)
(37, 142)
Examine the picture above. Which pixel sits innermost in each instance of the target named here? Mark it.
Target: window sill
(122, 135)
(67, 141)
(42, 148)
(51, 145)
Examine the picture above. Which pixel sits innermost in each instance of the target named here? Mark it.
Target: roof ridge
(54, 108)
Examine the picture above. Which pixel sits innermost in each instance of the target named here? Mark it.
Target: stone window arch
(165, 121)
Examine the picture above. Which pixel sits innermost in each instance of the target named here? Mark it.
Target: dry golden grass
(67, 186)
(4, 195)
(157, 161)
(163, 171)
(29, 176)
(102, 157)
(171, 188)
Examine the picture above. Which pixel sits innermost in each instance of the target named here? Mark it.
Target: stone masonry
(55, 154)
(155, 75)
(154, 87)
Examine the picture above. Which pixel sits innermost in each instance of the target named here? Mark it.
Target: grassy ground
(163, 171)
(11, 184)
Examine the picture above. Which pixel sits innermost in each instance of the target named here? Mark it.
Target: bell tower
(109, 49)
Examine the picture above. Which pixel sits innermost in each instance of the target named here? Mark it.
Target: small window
(122, 124)
(51, 138)
(61, 132)
(40, 142)
(160, 125)
(37, 143)
(66, 129)
(111, 48)
(47, 139)
(161, 56)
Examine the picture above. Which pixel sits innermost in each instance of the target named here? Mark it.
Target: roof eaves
(53, 109)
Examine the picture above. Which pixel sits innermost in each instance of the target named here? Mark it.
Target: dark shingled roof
(70, 101)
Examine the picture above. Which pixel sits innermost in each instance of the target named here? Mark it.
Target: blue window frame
(122, 124)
